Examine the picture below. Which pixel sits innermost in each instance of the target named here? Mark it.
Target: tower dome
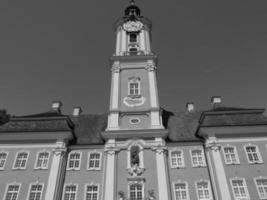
(132, 11)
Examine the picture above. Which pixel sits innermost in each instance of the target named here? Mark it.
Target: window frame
(245, 187)
(182, 158)
(132, 80)
(260, 161)
(37, 158)
(209, 189)
(6, 189)
(135, 183)
(187, 190)
(3, 167)
(255, 181)
(16, 157)
(80, 160)
(88, 161)
(202, 155)
(70, 184)
(92, 184)
(129, 38)
(235, 153)
(29, 190)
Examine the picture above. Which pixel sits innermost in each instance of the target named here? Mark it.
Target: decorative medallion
(132, 26)
(134, 101)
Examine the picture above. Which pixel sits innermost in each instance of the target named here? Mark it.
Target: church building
(138, 150)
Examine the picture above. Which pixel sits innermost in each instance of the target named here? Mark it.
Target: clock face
(133, 26)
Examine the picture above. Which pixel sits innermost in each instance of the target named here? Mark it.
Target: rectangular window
(12, 192)
(35, 192)
(91, 192)
(136, 192)
(133, 38)
(203, 190)
(239, 189)
(176, 158)
(3, 157)
(134, 88)
(21, 160)
(181, 191)
(94, 161)
(74, 161)
(70, 192)
(253, 154)
(261, 185)
(230, 155)
(197, 157)
(42, 160)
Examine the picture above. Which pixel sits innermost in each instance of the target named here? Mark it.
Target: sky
(59, 50)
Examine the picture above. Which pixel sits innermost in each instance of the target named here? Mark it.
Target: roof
(43, 122)
(88, 128)
(228, 116)
(182, 126)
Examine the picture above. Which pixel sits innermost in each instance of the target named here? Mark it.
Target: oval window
(135, 121)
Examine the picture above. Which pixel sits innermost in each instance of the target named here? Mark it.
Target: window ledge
(177, 167)
(73, 169)
(41, 168)
(94, 169)
(198, 166)
(19, 169)
(255, 163)
(232, 163)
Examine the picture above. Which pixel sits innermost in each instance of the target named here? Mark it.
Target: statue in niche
(135, 160)
(135, 169)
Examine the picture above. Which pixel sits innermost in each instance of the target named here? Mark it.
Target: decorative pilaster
(213, 148)
(160, 150)
(110, 150)
(154, 114)
(54, 176)
(113, 118)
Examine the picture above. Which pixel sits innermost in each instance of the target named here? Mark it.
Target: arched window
(135, 159)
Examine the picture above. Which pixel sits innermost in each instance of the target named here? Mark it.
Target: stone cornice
(127, 134)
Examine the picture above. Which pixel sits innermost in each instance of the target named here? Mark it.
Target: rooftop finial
(132, 2)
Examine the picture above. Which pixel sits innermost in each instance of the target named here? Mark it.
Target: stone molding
(150, 67)
(213, 145)
(115, 68)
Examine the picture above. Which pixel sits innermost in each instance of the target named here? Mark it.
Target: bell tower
(134, 100)
(134, 132)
